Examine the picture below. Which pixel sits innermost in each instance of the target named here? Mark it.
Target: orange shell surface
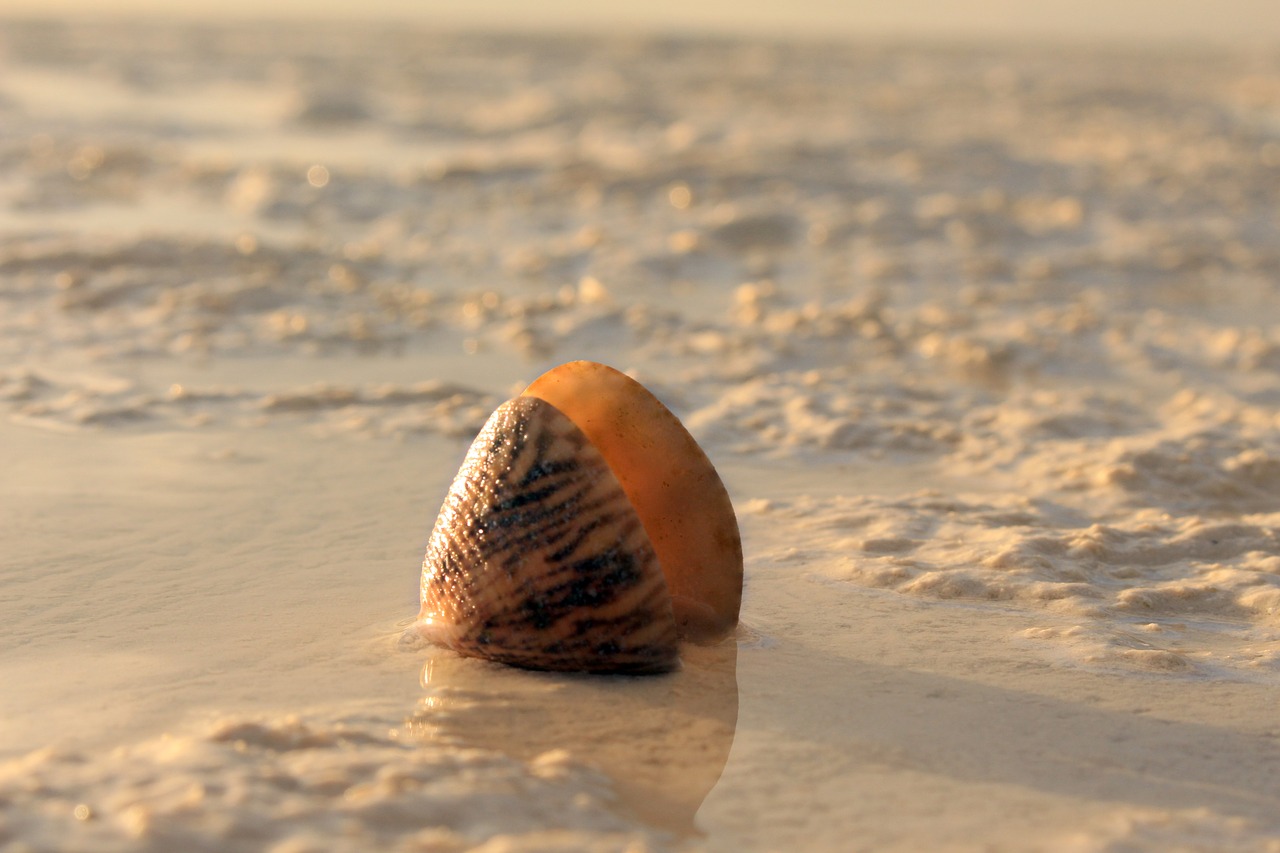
(670, 482)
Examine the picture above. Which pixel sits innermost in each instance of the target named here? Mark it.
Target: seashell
(586, 530)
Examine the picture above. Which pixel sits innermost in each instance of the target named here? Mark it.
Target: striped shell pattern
(538, 559)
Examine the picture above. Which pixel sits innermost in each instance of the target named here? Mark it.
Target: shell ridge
(552, 531)
(546, 522)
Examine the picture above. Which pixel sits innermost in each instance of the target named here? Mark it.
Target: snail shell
(585, 530)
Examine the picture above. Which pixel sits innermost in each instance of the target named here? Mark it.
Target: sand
(983, 340)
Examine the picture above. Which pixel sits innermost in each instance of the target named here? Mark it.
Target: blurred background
(1168, 20)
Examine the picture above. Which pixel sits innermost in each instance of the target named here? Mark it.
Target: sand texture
(984, 342)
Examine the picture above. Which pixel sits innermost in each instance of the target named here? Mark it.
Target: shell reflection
(663, 742)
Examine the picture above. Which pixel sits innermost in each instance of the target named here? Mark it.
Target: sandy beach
(984, 340)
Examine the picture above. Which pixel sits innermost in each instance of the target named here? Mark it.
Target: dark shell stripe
(538, 559)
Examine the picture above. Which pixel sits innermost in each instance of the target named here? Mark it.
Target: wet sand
(982, 340)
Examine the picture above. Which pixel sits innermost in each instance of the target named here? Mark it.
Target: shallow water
(982, 340)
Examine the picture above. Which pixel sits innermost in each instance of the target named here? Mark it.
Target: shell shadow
(663, 740)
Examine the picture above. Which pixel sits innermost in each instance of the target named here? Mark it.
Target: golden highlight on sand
(585, 531)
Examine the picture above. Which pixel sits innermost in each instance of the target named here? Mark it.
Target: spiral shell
(585, 530)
